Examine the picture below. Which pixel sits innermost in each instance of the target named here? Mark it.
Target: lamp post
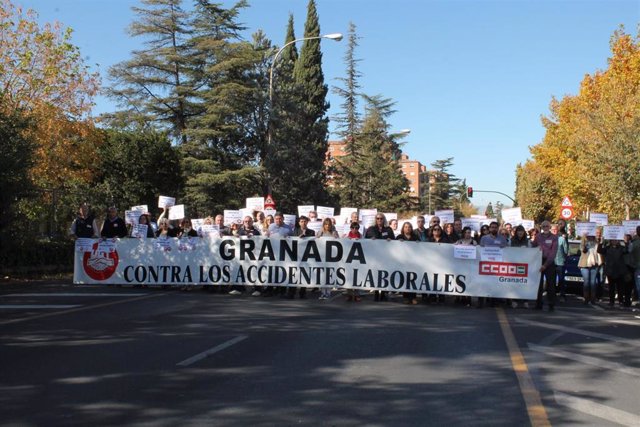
(333, 36)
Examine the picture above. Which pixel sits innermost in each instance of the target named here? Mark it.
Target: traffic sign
(566, 213)
(566, 202)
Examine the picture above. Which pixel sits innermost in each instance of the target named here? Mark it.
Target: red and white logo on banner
(101, 262)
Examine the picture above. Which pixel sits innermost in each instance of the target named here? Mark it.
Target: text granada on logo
(100, 264)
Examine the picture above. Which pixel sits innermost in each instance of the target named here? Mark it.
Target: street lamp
(333, 36)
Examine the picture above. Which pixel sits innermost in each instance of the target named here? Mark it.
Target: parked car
(572, 275)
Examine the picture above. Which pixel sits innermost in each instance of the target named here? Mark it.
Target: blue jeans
(590, 283)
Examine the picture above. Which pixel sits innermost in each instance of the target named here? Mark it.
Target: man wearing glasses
(380, 230)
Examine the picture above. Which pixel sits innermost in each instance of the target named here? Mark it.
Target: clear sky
(471, 78)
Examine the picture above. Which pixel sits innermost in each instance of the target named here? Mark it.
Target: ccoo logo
(493, 268)
(101, 262)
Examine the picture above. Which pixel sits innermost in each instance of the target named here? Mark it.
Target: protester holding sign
(407, 235)
(380, 230)
(185, 229)
(113, 225)
(84, 225)
(588, 263)
(615, 270)
(144, 219)
(548, 244)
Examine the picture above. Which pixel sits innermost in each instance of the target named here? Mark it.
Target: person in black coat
(113, 225)
(380, 230)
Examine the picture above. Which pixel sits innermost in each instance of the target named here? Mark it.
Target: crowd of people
(616, 261)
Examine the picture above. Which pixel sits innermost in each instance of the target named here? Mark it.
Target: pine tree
(348, 121)
(155, 84)
(446, 185)
(370, 175)
(299, 172)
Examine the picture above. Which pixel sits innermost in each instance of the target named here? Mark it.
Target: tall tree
(307, 154)
(445, 189)
(156, 84)
(348, 120)
(370, 174)
(586, 150)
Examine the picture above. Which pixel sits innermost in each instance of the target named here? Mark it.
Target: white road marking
(587, 360)
(207, 353)
(73, 294)
(577, 331)
(597, 307)
(592, 408)
(33, 306)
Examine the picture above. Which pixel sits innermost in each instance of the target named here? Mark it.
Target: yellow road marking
(73, 310)
(535, 408)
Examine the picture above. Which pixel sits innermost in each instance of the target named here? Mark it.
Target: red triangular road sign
(566, 202)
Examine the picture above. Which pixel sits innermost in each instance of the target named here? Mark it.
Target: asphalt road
(87, 355)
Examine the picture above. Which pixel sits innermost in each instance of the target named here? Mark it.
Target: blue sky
(471, 78)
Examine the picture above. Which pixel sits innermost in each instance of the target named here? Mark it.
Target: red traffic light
(469, 192)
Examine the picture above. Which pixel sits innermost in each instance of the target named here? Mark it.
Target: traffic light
(469, 192)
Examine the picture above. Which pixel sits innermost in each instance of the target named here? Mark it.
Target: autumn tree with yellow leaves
(591, 145)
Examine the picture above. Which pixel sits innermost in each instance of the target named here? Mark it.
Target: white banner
(341, 263)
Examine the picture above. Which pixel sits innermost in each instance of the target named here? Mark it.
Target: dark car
(572, 276)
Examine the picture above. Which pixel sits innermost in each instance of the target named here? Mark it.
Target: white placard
(613, 232)
(599, 218)
(368, 220)
(325, 212)
(366, 212)
(269, 211)
(197, 223)
(487, 221)
(176, 212)
(290, 220)
(132, 217)
(84, 244)
(464, 251)
(303, 210)
(255, 203)
(346, 212)
(166, 202)
(630, 226)
(472, 223)
(491, 253)
(163, 244)
(390, 216)
(231, 216)
(586, 227)
(315, 226)
(245, 212)
(139, 231)
(478, 216)
(446, 216)
(343, 229)
(340, 220)
(512, 216)
(143, 208)
(528, 224)
(210, 230)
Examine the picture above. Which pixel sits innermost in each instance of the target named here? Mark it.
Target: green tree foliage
(157, 84)
(370, 174)
(446, 189)
(15, 162)
(135, 168)
(348, 121)
(536, 192)
(297, 167)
